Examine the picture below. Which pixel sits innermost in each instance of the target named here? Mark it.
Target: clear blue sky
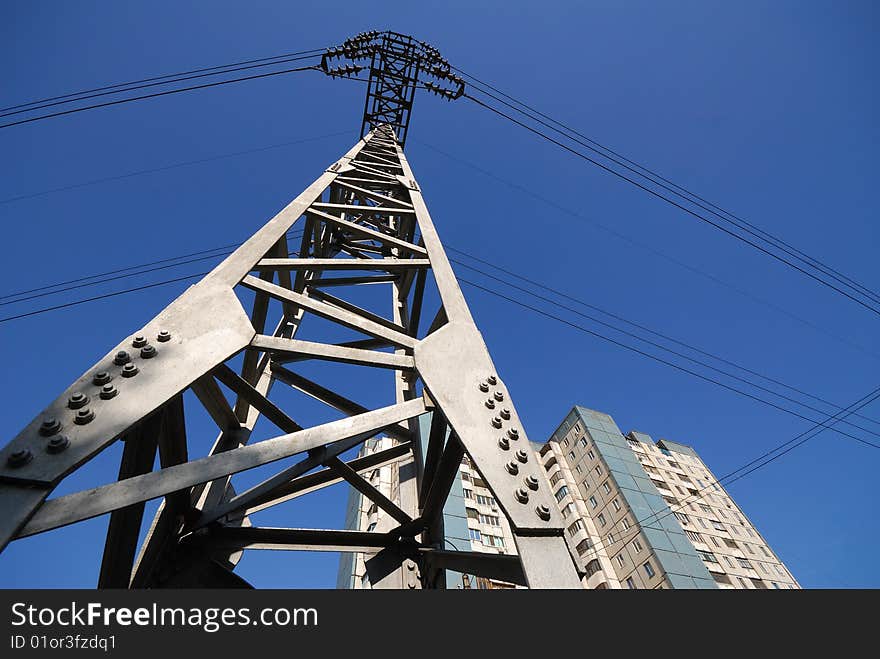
(768, 108)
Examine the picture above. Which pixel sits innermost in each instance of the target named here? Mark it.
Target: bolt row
(78, 401)
(522, 456)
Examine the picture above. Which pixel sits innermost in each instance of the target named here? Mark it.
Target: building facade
(640, 514)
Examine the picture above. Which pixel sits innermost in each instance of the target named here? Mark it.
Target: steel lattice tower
(365, 224)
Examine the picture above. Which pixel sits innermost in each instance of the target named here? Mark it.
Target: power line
(674, 203)
(172, 166)
(162, 77)
(554, 317)
(678, 190)
(655, 358)
(157, 94)
(650, 249)
(155, 84)
(654, 343)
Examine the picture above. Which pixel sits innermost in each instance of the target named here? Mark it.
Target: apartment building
(646, 514)
(639, 514)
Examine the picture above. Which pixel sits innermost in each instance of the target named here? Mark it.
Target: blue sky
(767, 108)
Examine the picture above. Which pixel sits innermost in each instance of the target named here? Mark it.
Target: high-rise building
(639, 514)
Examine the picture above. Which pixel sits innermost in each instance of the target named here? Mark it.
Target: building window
(637, 546)
(567, 510)
(584, 442)
(555, 478)
(705, 508)
(601, 519)
(593, 502)
(766, 553)
(583, 546)
(493, 541)
(475, 535)
(708, 556)
(468, 494)
(578, 469)
(592, 567)
(729, 562)
(561, 492)
(571, 456)
(591, 455)
(465, 476)
(607, 487)
(485, 500)
(630, 584)
(649, 570)
(491, 520)
(693, 535)
(575, 526)
(565, 442)
(775, 585)
(616, 505)
(683, 518)
(715, 541)
(371, 527)
(703, 522)
(744, 563)
(625, 524)
(621, 559)
(598, 470)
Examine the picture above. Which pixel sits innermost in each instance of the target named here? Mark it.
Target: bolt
(513, 433)
(522, 456)
(77, 400)
(101, 377)
(163, 336)
(148, 352)
(498, 396)
(129, 371)
(543, 512)
(139, 342)
(19, 458)
(503, 443)
(505, 414)
(121, 358)
(57, 444)
(410, 565)
(484, 387)
(522, 495)
(83, 416)
(532, 482)
(497, 422)
(108, 391)
(492, 380)
(512, 467)
(50, 426)
(490, 404)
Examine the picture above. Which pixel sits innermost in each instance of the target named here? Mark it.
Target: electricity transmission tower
(237, 341)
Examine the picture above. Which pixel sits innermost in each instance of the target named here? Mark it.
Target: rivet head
(19, 458)
(498, 396)
(522, 495)
(490, 404)
(163, 336)
(522, 456)
(505, 414)
(532, 482)
(121, 358)
(496, 422)
(139, 342)
(57, 444)
(77, 400)
(108, 391)
(492, 380)
(148, 352)
(484, 387)
(83, 416)
(513, 433)
(101, 377)
(512, 467)
(543, 512)
(129, 371)
(503, 443)
(49, 427)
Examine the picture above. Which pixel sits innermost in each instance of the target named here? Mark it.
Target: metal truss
(396, 63)
(365, 224)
